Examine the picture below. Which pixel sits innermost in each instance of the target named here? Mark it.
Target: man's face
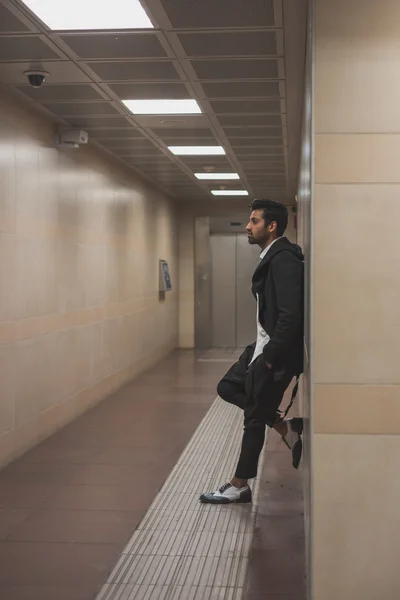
(256, 231)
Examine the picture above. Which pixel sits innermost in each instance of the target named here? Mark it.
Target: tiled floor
(69, 506)
(184, 550)
(277, 558)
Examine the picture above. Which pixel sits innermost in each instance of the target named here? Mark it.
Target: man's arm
(287, 273)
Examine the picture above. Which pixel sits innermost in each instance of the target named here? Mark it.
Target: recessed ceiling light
(90, 14)
(163, 107)
(196, 150)
(218, 176)
(229, 193)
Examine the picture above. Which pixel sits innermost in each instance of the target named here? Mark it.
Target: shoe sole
(210, 499)
(296, 425)
(297, 451)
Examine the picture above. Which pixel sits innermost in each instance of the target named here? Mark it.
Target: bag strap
(281, 415)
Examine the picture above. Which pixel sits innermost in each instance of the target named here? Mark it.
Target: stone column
(355, 320)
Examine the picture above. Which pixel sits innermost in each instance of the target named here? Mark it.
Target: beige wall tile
(36, 277)
(186, 282)
(7, 387)
(91, 201)
(7, 196)
(116, 271)
(88, 355)
(70, 296)
(62, 354)
(360, 21)
(7, 447)
(350, 158)
(8, 263)
(357, 89)
(356, 409)
(49, 186)
(356, 288)
(112, 333)
(31, 385)
(27, 187)
(7, 177)
(8, 332)
(37, 326)
(349, 89)
(356, 525)
(91, 274)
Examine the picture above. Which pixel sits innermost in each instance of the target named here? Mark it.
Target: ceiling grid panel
(229, 56)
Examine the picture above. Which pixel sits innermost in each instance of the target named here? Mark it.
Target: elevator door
(233, 262)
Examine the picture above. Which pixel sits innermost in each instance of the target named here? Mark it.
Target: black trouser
(254, 390)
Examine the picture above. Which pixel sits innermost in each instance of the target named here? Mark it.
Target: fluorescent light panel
(229, 193)
(163, 107)
(196, 150)
(90, 14)
(218, 176)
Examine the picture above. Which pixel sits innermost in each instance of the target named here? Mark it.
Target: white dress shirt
(262, 336)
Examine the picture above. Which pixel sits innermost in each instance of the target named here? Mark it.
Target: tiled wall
(80, 313)
(356, 317)
(186, 281)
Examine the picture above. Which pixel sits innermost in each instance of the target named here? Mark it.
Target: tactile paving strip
(184, 550)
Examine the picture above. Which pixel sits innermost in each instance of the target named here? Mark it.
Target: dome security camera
(36, 78)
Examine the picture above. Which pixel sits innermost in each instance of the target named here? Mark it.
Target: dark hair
(273, 211)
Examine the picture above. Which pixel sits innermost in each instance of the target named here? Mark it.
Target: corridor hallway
(99, 511)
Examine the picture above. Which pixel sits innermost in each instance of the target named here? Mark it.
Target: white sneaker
(228, 494)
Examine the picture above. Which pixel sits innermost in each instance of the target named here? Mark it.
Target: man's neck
(268, 243)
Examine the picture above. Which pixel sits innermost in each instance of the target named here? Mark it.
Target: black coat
(279, 282)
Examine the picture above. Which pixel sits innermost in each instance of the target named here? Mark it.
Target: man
(258, 381)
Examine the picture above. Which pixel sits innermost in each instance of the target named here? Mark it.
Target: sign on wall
(165, 284)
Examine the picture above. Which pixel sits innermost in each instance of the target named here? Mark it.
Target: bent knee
(253, 424)
(223, 390)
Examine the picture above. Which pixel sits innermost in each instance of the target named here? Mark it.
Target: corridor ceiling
(242, 60)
